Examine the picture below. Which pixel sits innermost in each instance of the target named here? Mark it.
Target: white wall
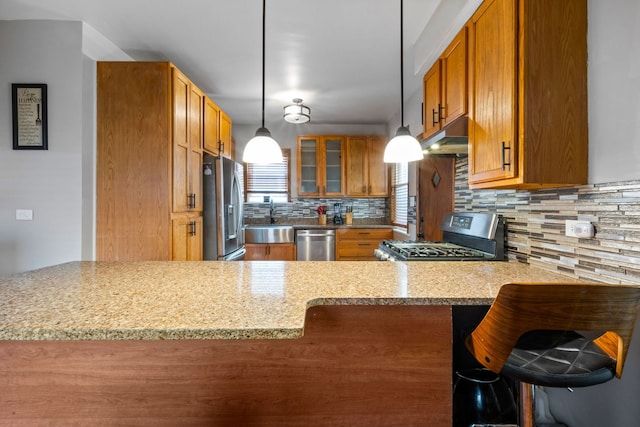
(614, 90)
(48, 182)
(88, 158)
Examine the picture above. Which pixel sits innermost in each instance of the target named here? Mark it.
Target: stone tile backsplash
(535, 223)
(303, 211)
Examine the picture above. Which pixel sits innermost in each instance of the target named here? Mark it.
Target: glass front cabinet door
(320, 166)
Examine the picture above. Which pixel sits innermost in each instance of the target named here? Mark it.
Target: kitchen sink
(268, 234)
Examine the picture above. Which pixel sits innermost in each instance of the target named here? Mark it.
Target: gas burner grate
(411, 250)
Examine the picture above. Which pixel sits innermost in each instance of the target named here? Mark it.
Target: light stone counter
(229, 300)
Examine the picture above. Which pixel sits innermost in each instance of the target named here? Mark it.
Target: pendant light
(403, 147)
(262, 148)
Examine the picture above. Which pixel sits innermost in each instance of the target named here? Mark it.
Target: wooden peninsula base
(355, 366)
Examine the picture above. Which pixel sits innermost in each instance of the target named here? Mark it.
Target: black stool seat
(533, 332)
(559, 359)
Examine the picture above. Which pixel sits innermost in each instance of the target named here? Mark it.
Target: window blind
(400, 194)
(271, 179)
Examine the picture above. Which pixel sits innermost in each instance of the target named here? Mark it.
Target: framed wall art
(29, 108)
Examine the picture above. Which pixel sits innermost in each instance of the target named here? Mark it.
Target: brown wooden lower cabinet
(187, 238)
(270, 252)
(355, 366)
(359, 244)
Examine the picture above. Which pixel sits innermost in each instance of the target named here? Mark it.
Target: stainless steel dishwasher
(316, 245)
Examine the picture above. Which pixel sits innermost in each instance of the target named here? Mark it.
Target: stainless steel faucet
(272, 211)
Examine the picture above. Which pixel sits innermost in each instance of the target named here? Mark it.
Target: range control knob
(382, 255)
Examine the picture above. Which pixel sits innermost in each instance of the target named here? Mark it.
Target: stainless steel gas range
(466, 236)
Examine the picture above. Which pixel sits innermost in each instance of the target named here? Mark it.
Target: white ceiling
(340, 56)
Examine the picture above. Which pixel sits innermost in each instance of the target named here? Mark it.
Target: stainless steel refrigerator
(223, 237)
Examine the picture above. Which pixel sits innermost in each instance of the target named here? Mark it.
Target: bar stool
(557, 334)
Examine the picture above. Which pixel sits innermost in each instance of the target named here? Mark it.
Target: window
(268, 180)
(399, 194)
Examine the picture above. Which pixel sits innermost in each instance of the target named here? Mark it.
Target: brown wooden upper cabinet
(445, 87)
(187, 143)
(320, 166)
(528, 94)
(226, 141)
(211, 127)
(366, 173)
(217, 131)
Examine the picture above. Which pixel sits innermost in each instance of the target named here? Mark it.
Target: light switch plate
(24, 214)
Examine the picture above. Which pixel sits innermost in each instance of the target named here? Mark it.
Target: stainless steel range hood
(453, 139)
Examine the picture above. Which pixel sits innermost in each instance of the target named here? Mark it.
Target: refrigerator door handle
(239, 199)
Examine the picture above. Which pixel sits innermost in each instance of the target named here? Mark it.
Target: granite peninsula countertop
(229, 300)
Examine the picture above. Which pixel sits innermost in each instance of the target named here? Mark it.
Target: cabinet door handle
(364, 244)
(191, 201)
(434, 113)
(504, 161)
(192, 228)
(369, 189)
(220, 147)
(440, 112)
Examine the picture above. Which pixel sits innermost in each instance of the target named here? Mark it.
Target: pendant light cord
(264, 12)
(401, 71)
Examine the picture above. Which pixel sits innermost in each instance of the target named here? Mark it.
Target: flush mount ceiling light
(403, 147)
(262, 148)
(297, 112)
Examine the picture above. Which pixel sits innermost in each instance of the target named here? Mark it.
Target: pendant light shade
(297, 112)
(403, 147)
(262, 148)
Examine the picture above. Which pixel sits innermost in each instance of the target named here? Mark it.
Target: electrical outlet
(24, 214)
(582, 229)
